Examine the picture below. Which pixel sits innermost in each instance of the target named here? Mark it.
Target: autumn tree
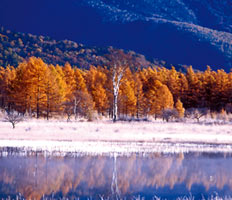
(96, 80)
(138, 91)
(158, 98)
(180, 109)
(55, 90)
(79, 91)
(2, 88)
(175, 83)
(38, 88)
(194, 95)
(69, 77)
(7, 76)
(36, 76)
(30, 83)
(127, 99)
(221, 90)
(119, 62)
(70, 80)
(21, 90)
(207, 80)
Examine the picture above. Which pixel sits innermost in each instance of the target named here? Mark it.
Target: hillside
(15, 47)
(186, 32)
(196, 32)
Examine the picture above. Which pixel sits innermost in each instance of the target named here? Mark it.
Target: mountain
(15, 47)
(191, 32)
(194, 32)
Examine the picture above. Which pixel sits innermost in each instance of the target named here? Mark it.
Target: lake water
(167, 176)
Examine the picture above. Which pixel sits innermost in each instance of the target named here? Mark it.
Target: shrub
(13, 117)
(196, 113)
(168, 114)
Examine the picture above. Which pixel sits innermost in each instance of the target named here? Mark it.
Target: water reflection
(167, 176)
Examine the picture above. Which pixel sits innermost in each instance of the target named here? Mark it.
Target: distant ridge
(192, 32)
(15, 47)
(180, 32)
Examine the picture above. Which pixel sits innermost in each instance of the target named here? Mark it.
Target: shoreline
(121, 138)
(94, 148)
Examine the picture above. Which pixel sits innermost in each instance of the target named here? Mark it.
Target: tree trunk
(30, 112)
(117, 76)
(37, 110)
(37, 103)
(75, 108)
(68, 119)
(48, 107)
(137, 107)
(115, 108)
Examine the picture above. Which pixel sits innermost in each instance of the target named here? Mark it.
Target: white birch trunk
(117, 76)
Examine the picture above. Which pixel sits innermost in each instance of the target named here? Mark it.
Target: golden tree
(35, 75)
(80, 81)
(138, 91)
(194, 95)
(21, 91)
(127, 98)
(174, 83)
(96, 79)
(55, 90)
(29, 85)
(69, 78)
(7, 77)
(180, 109)
(221, 89)
(159, 98)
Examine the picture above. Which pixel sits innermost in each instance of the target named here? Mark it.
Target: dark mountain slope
(194, 32)
(197, 32)
(15, 47)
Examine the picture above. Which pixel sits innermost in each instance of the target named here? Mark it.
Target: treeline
(38, 89)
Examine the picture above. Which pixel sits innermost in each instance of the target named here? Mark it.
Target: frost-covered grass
(104, 136)
(213, 197)
(190, 197)
(207, 131)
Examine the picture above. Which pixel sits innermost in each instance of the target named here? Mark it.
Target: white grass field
(121, 137)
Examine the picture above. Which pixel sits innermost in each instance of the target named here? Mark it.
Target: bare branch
(196, 113)
(13, 117)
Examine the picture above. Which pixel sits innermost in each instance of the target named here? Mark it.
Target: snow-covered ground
(121, 137)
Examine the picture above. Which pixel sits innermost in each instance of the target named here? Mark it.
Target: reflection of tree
(85, 176)
(114, 184)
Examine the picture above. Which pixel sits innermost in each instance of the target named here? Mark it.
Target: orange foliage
(46, 90)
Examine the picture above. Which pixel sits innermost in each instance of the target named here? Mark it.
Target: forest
(37, 89)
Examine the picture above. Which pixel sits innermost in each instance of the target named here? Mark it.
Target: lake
(135, 176)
